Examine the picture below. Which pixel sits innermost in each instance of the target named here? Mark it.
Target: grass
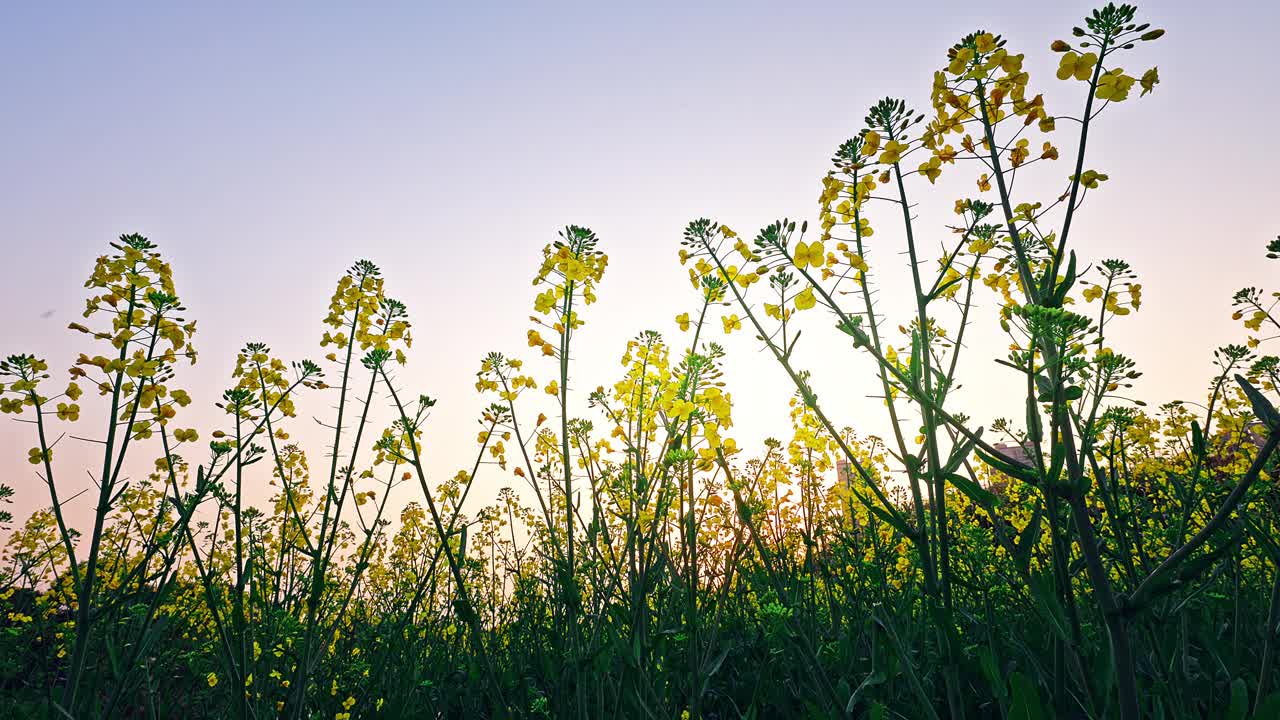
(1090, 558)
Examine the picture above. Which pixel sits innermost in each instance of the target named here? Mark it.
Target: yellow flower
(212, 679)
(683, 321)
(545, 301)
(553, 388)
(745, 279)
(681, 409)
(731, 323)
(1077, 66)
(806, 299)
(931, 169)
(811, 254)
(1114, 85)
(346, 704)
(35, 456)
(961, 61)
(67, 412)
(865, 229)
(1020, 152)
(870, 143)
(892, 152)
(1091, 178)
(1149, 80)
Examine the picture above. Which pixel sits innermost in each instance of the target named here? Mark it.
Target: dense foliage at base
(1091, 557)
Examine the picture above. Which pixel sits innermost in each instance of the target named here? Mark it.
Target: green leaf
(1026, 699)
(1179, 576)
(875, 678)
(894, 521)
(1193, 569)
(1262, 407)
(912, 462)
(1028, 537)
(852, 328)
(960, 453)
(1034, 432)
(1021, 472)
(1047, 602)
(635, 650)
(1044, 388)
(981, 496)
(917, 354)
(1056, 462)
(1239, 701)
(1268, 709)
(715, 665)
(1068, 279)
(991, 671)
(1197, 439)
(1264, 537)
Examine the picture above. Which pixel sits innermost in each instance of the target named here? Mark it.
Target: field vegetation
(1091, 557)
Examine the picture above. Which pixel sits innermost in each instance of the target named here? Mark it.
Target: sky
(264, 149)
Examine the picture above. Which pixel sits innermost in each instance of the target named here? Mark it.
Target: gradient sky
(265, 149)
